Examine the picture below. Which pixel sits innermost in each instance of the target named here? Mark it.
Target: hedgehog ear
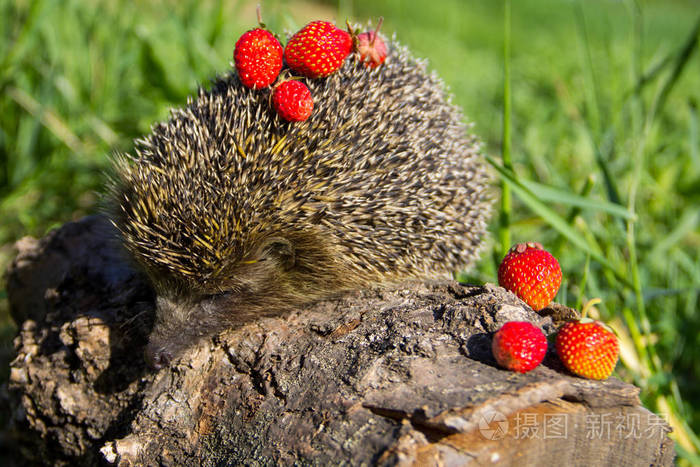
(281, 250)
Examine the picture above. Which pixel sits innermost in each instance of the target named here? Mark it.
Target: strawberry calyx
(523, 247)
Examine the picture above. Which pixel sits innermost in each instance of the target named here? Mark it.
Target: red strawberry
(292, 101)
(318, 49)
(531, 273)
(371, 47)
(258, 58)
(587, 349)
(519, 346)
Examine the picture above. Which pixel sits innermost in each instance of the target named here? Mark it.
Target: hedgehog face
(183, 316)
(181, 321)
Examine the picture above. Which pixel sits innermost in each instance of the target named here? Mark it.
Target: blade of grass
(25, 34)
(693, 140)
(645, 368)
(603, 152)
(688, 223)
(555, 195)
(642, 79)
(217, 24)
(637, 41)
(653, 72)
(585, 191)
(652, 293)
(345, 10)
(582, 285)
(506, 201)
(594, 91)
(691, 43)
(154, 70)
(48, 118)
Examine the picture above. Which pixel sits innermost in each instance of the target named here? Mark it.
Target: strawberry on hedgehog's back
(229, 208)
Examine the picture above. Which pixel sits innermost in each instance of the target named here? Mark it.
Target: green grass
(593, 130)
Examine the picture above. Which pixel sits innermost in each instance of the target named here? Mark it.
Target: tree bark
(389, 377)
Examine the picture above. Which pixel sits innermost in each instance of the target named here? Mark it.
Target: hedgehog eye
(281, 250)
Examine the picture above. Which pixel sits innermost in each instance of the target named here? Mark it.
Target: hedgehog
(235, 214)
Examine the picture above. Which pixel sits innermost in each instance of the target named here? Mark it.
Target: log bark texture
(389, 377)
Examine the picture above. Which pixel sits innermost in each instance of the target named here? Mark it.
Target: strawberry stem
(376, 30)
(258, 12)
(589, 304)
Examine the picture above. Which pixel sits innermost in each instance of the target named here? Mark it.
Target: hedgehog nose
(157, 358)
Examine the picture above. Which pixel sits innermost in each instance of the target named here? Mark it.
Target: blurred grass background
(594, 131)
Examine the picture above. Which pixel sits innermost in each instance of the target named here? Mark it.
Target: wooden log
(389, 377)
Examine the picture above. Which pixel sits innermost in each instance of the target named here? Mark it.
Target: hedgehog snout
(183, 320)
(157, 357)
(173, 330)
